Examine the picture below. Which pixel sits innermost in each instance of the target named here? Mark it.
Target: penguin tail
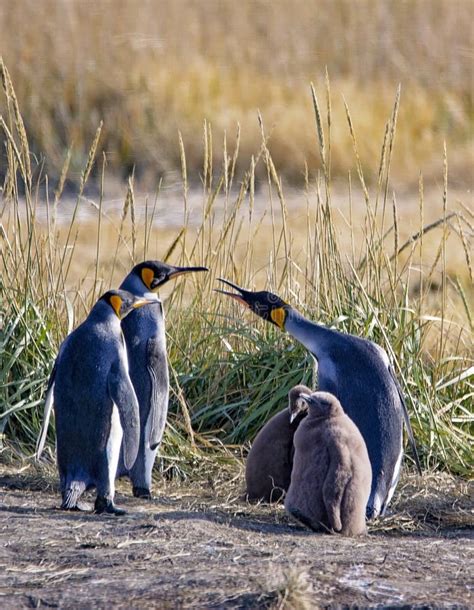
(71, 495)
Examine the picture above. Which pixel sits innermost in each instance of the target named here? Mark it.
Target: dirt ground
(200, 545)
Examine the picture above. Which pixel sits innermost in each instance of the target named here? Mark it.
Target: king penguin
(144, 332)
(358, 372)
(94, 403)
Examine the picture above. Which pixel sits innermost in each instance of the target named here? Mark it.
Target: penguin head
(155, 273)
(322, 404)
(297, 406)
(265, 304)
(123, 302)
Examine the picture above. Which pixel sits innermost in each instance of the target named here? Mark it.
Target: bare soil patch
(199, 545)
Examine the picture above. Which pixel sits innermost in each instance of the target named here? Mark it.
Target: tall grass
(231, 372)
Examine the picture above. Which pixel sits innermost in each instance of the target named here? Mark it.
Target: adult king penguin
(144, 332)
(359, 374)
(94, 403)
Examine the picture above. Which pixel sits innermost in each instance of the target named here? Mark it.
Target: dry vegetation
(198, 544)
(165, 66)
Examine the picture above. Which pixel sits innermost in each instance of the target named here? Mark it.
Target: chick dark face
(322, 404)
(296, 404)
(265, 304)
(123, 302)
(155, 273)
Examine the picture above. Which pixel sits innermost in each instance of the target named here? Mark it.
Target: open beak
(238, 297)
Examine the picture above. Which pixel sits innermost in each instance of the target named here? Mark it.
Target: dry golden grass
(152, 69)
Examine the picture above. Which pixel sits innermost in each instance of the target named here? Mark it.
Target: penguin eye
(147, 277)
(116, 303)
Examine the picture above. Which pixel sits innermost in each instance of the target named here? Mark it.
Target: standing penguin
(270, 460)
(94, 403)
(144, 332)
(331, 476)
(359, 374)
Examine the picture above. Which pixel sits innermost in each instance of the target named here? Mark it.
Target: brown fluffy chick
(331, 476)
(270, 460)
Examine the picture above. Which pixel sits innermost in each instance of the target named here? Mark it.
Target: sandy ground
(201, 546)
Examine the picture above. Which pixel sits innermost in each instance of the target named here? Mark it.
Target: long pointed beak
(238, 288)
(181, 270)
(292, 416)
(238, 297)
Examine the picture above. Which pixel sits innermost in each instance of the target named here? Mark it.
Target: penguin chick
(144, 332)
(331, 476)
(270, 460)
(94, 403)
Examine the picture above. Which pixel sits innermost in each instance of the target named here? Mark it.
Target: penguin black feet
(142, 492)
(105, 505)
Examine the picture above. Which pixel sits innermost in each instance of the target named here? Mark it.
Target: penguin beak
(141, 302)
(299, 407)
(238, 297)
(180, 271)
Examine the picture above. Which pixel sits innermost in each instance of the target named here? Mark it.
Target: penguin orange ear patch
(278, 316)
(147, 277)
(116, 303)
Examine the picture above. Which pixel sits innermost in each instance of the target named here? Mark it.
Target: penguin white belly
(113, 446)
(150, 454)
(396, 475)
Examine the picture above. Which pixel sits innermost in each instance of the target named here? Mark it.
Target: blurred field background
(358, 216)
(151, 68)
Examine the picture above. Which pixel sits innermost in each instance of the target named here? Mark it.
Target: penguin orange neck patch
(116, 303)
(147, 277)
(279, 316)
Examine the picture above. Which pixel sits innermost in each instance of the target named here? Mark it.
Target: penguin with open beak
(358, 372)
(144, 332)
(95, 404)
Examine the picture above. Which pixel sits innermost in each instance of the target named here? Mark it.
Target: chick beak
(238, 297)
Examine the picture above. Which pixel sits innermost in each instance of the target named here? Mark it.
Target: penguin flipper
(406, 417)
(123, 395)
(47, 414)
(157, 368)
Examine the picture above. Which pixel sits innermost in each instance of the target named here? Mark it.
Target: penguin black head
(265, 304)
(322, 404)
(123, 302)
(155, 273)
(297, 406)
